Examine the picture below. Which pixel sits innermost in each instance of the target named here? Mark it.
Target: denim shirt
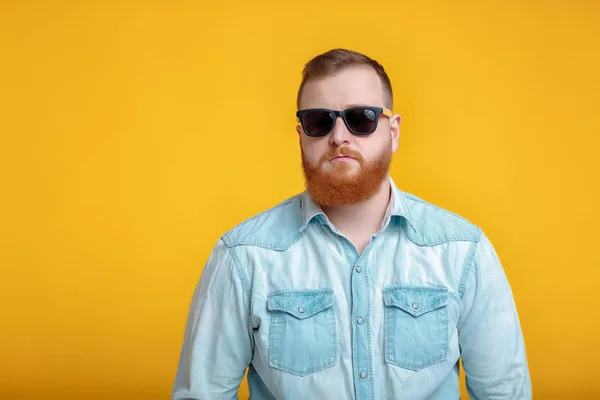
(288, 297)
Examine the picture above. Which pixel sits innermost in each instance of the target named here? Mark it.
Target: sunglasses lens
(362, 121)
(318, 122)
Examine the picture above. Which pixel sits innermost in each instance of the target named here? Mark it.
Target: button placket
(361, 329)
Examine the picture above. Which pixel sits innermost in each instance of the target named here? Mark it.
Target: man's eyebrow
(357, 105)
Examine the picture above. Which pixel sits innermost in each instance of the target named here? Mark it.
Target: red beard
(338, 187)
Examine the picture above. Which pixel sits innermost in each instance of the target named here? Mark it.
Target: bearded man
(352, 289)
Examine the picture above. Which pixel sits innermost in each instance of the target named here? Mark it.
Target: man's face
(343, 168)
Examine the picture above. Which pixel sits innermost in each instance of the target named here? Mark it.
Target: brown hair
(338, 59)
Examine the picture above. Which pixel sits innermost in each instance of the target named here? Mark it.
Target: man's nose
(340, 134)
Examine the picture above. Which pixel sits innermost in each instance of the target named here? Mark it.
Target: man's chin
(338, 179)
(341, 172)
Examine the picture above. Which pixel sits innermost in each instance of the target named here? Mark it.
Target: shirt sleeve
(217, 345)
(490, 336)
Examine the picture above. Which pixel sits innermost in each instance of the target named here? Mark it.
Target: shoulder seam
(238, 268)
(468, 263)
(468, 231)
(283, 203)
(413, 197)
(243, 233)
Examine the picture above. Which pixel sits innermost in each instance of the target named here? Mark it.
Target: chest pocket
(303, 331)
(416, 326)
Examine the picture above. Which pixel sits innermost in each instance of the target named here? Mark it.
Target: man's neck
(362, 220)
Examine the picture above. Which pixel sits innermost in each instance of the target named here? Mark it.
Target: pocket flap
(415, 300)
(301, 303)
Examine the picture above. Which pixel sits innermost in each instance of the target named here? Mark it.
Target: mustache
(340, 151)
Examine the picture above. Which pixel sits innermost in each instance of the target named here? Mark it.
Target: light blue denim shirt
(287, 296)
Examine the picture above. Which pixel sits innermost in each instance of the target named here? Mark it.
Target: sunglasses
(318, 122)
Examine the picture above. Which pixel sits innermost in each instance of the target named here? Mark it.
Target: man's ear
(395, 131)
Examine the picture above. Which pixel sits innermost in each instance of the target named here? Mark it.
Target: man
(352, 289)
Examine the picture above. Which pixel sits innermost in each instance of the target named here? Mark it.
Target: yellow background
(133, 134)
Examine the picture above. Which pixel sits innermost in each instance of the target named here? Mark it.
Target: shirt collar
(396, 208)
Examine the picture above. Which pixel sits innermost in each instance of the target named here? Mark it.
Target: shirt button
(357, 269)
(360, 320)
(363, 375)
(301, 310)
(415, 306)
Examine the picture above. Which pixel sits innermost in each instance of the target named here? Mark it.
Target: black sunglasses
(317, 122)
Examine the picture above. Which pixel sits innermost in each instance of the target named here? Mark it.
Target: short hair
(339, 59)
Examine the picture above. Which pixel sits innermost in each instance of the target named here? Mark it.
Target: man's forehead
(351, 86)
